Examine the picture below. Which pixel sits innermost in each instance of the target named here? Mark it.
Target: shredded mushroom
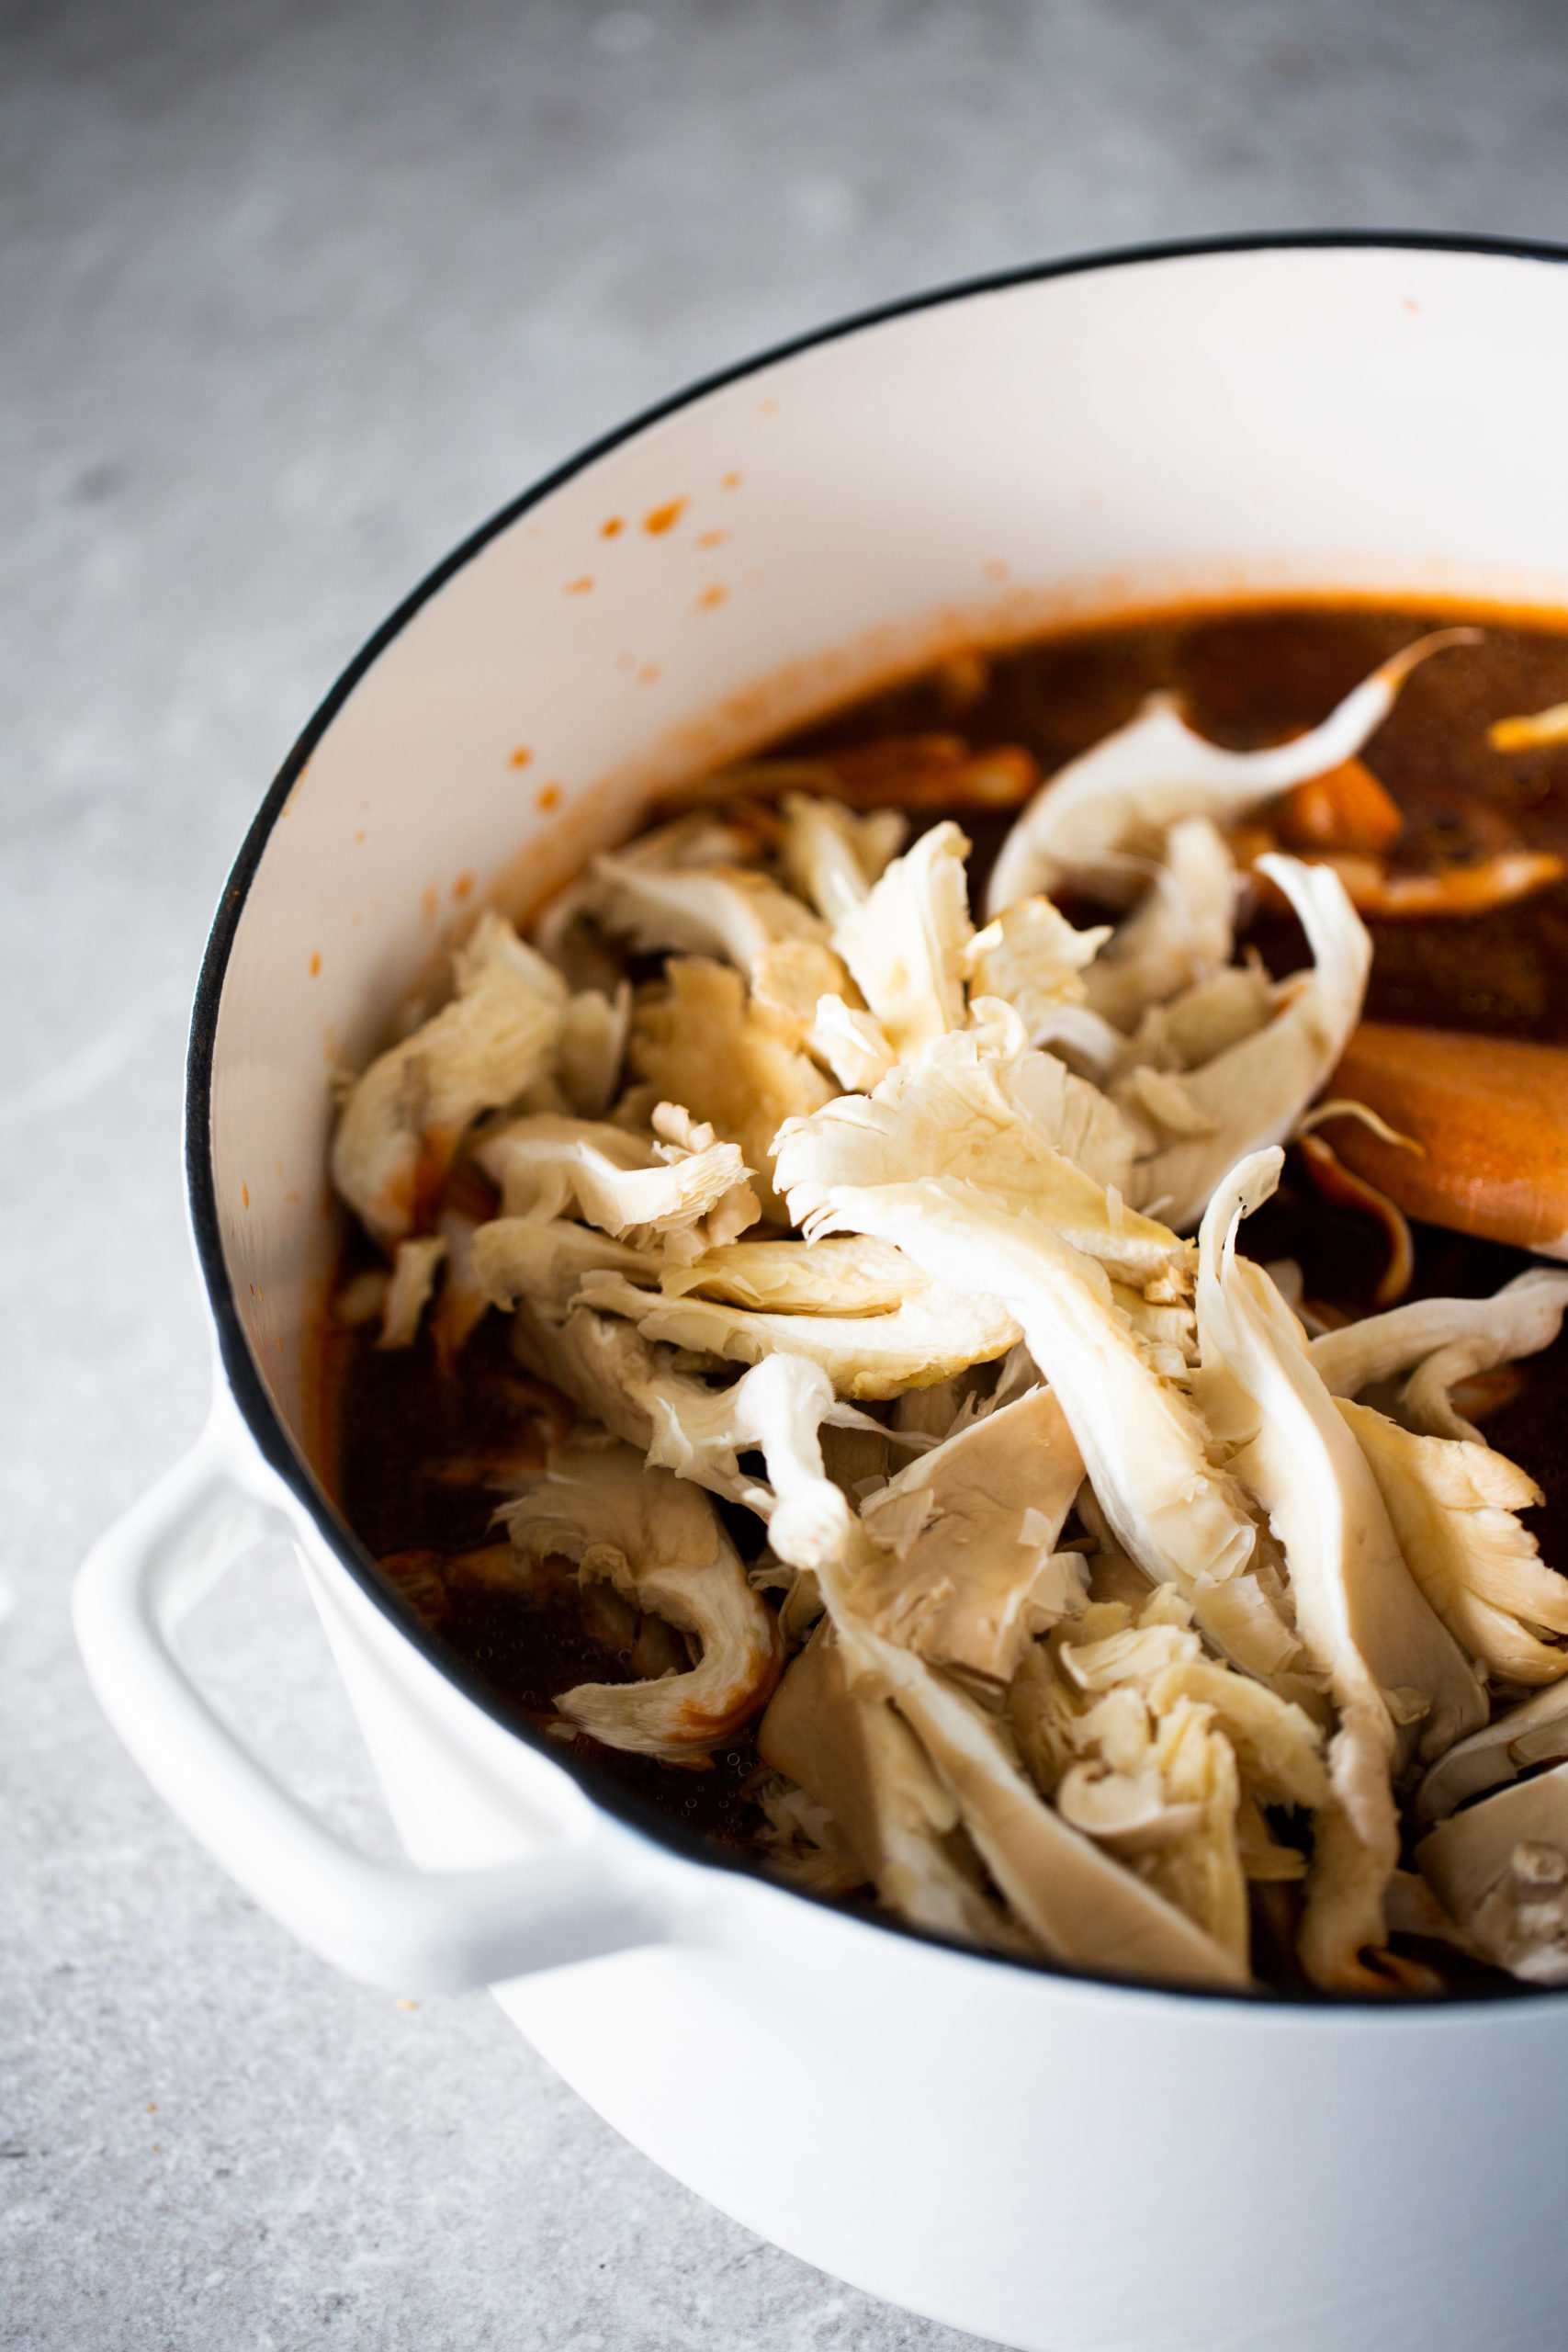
(1155, 771)
(1067, 1587)
(657, 1541)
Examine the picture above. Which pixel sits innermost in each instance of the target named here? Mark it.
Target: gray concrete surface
(289, 297)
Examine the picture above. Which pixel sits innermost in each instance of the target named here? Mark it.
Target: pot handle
(386, 1923)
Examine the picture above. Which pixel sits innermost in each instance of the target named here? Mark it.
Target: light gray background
(290, 296)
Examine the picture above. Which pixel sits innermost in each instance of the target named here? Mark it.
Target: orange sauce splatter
(612, 527)
(713, 539)
(547, 797)
(359, 836)
(316, 964)
(650, 674)
(429, 899)
(664, 518)
(521, 756)
(730, 481)
(463, 884)
(579, 587)
(770, 408)
(710, 598)
(245, 1195)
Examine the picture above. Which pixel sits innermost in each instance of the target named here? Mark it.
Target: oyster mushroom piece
(595, 1359)
(851, 1042)
(679, 1420)
(1125, 791)
(936, 1333)
(696, 837)
(1452, 1502)
(1446, 1340)
(1202, 1022)
(789, 981)
(725, 911)
(463, 1299)
(1182, 934)
(658, 1540)
(778, 1409)
(1251, 1095)
(595, 1029)
(966, 1114)
(1534, 1732)
(1183, 1519)
(1500, 1870)
(404, 1118)
(831, 857)
(1360, 1615)
(847, 1277)
(415, 1267)
(1176, 1809)
(965, 1567)
(1132, 1812)
(547, 1165)
(1087, 1045)
(1074, 1901)
(1278, 1747)
(544, 1261)
(906, 942)
(1032, 958)
(1079, 1904)
(701, 1042)
(1072, 1116)
(859, 1761)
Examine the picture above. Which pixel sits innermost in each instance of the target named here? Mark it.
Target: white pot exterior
(1061, 2165)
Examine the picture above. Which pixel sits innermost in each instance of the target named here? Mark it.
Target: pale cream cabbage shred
(1082, 1598)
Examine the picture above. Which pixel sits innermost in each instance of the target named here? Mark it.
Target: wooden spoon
(1491, 1115)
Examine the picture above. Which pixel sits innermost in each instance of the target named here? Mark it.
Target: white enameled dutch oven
(1062, 2164)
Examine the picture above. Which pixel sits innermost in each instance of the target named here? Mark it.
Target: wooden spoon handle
(1492, 1116)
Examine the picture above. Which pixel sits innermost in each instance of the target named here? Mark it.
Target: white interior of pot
(1220, 426)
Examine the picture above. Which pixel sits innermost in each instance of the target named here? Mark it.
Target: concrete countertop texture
(292, 297)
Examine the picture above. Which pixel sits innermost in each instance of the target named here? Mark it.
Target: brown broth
(1245, 678)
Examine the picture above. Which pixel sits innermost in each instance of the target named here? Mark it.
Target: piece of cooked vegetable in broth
(972, 1313)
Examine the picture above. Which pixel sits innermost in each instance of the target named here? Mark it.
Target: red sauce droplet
(664, 518)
